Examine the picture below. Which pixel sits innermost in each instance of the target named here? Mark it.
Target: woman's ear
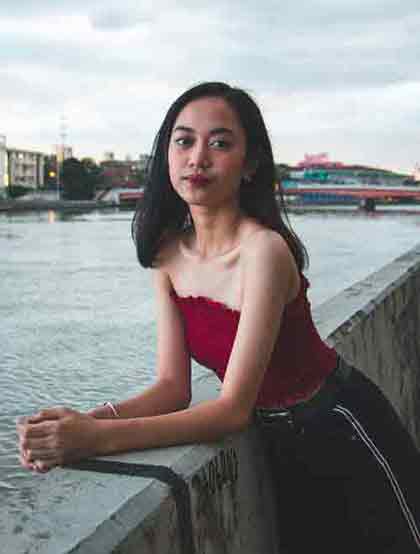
(250, 170)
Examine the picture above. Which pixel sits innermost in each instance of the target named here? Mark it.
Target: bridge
(368, 194)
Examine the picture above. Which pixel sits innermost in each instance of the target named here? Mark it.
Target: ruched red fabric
(300, 360)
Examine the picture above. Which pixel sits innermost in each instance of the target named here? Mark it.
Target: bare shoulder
(266, 245)
(266, 257)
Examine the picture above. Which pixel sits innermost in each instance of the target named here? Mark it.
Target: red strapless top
(300, 359)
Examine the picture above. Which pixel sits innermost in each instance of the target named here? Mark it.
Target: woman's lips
(198, 179)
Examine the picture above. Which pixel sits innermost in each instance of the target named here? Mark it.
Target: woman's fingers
(24, 462)
(55, 437)
(42, 441)
(46, 442)
(44, 424)
(43, 415)
(38, 439)
(36, 430)
(39, 466)
(44, 454)
(42, 466)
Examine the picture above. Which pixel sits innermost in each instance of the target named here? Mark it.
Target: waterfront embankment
(16, 206)
(59, 205)
(217, 498)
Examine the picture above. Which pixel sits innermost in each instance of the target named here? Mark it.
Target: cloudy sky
(340, 76)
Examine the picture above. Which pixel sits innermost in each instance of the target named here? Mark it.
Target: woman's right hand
(56, 437)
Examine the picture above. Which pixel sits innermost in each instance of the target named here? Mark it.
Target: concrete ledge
(92, 513)
(374, 324)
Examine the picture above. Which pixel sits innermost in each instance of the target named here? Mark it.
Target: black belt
(303, 412)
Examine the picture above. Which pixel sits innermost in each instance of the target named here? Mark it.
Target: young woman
(231, 293)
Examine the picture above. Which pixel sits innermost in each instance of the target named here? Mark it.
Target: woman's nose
(199, 156)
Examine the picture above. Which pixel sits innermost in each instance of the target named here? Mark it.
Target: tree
(282, 171)
(94, 173)
(76, 180)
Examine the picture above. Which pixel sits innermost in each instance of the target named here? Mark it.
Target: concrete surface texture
(375, 324)
(224, 503)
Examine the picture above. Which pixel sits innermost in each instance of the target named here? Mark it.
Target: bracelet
(113, 409)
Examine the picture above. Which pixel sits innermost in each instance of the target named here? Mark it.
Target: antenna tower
(61, 150)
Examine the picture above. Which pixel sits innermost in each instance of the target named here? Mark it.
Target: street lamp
(53, 175)
(58, 176)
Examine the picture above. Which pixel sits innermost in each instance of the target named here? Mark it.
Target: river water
(77, 311)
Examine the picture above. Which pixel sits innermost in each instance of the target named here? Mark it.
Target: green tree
(15, 191)
(282, 171)
(76, 180)
(94, 173)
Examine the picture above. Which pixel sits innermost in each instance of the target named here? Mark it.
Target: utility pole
(60, 151)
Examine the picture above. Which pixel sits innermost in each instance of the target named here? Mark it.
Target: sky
(336, 76)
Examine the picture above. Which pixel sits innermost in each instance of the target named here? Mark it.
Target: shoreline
(13, 206)
(40, 205)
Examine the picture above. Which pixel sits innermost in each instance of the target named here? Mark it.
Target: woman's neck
(215, 233)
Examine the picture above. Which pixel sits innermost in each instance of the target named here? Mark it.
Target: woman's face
(207, 153)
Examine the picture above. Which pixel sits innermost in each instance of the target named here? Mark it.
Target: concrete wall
(3, 168)
(229, 502)
(375, 324)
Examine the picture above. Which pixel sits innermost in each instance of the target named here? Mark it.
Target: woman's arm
(172, 389)
(58, 435)
(269, 275)
(158, 398)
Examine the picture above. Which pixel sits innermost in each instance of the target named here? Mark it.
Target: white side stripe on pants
(385, 466)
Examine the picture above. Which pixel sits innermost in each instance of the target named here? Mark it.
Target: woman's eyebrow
(221, 130)
(183, 128)
(216, 131)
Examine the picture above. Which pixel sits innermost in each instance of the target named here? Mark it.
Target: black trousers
(349, 479)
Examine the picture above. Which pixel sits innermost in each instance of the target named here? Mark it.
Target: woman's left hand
(55, 436)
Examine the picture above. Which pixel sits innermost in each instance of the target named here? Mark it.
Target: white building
(25, 168)
(3, 165)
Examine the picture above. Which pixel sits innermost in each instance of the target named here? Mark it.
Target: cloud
(327, 73)
(357, 125)
(117, 19)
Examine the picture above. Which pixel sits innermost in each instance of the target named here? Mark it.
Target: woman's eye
(183, 141)
(220, 143)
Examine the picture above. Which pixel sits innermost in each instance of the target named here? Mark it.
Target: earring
(247, 179)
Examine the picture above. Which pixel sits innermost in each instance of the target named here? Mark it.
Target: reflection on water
(52, 216)
(77, 311)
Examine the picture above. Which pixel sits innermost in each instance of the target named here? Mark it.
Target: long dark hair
(162, 213)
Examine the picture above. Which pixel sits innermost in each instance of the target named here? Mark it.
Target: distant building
(25, 168)
(320, 169)
(318, 160)
(416, 172)
(3, 165)
(109, 156)
(120, 173)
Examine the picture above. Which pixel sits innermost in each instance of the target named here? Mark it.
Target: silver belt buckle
(271, 417)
